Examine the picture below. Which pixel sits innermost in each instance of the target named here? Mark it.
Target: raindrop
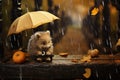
(104, 49)
(1, 20)
(105, 28)
(18, 43)
(107, 41)
(8, 2)
(71, 40)
(27, 9)
(110, 44)
(91, 46)
(52, 23)
(103, 18)
(116, 70)
(103, 3)
(20, 75)
(79, 17)
(100, 42)
(110, 76)
(6, 11)
(97, 74)
(79, 48)
(26, 34)
(62, 31)
(6, 43)
(14, 37)
(19, 3)
(19, 8)
(11, 45)
(59, 6)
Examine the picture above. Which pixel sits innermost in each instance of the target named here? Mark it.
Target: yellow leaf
(94, 11)
(86, 58)
(87, 73)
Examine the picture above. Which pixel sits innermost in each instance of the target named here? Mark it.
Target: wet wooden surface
(104, 67)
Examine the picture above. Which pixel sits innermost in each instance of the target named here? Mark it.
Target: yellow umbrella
(31, 20)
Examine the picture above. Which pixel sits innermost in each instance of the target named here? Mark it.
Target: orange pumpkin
(18, 57)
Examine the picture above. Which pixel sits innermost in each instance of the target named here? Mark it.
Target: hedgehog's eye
(44, 43)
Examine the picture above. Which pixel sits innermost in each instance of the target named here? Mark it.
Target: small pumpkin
(18, 57)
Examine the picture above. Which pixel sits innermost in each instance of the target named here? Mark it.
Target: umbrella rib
(42, 15)
(30, 19)
(45, 15)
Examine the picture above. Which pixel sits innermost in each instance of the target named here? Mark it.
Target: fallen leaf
(63, 54)
(74, 60)
(86, 58)
(87, 73)
(94, 11)
(93, 53)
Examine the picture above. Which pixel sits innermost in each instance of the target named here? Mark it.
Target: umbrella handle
(43, 53)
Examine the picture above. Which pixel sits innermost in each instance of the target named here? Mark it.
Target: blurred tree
(1, 41)
(50, 3)
(1, 16)
(116, 3)
(106, 38)
(15, 39)
(38, 5)
(16, 9)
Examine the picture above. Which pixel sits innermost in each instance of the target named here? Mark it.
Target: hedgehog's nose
(44, 42)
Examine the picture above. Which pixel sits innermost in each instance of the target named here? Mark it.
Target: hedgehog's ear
(48, 32)
(38, 35)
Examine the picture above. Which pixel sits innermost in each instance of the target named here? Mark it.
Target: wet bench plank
(105, 66)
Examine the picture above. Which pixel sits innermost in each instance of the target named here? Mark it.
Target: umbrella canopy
(31, 20)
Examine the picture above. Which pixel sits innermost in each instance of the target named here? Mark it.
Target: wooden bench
(104, 67)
